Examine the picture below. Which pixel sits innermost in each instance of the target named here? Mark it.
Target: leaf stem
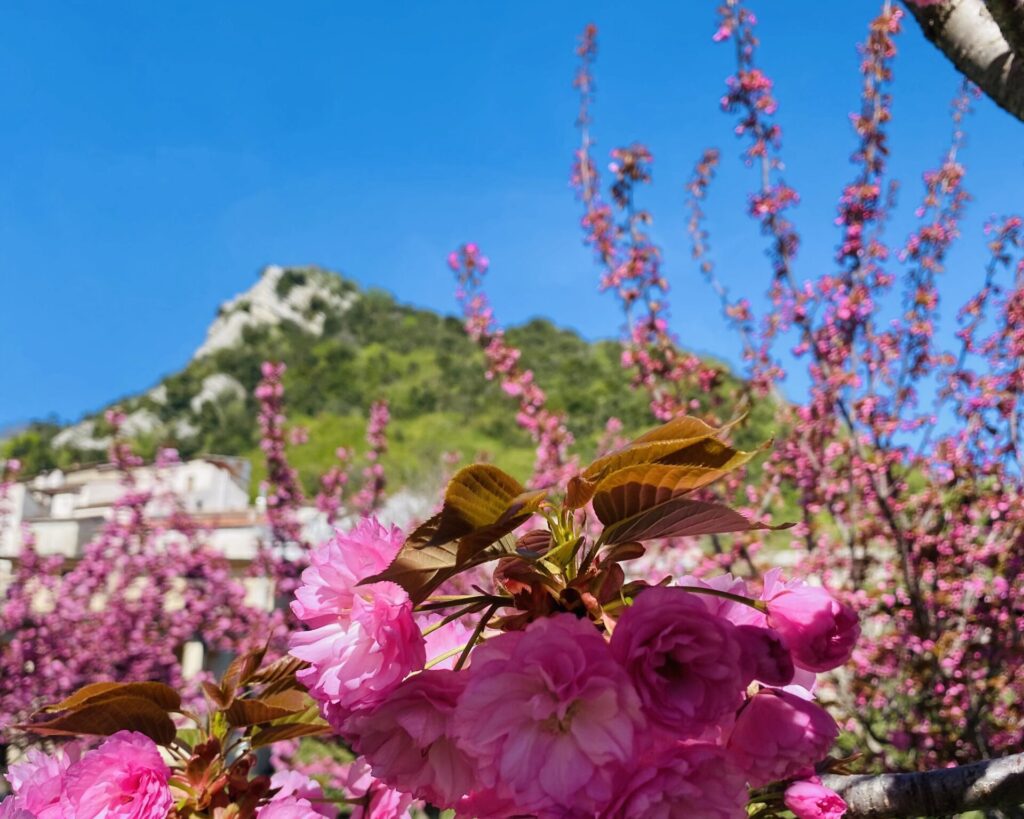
(480, 626)
(760, 605)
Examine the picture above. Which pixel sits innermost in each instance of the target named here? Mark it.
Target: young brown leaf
(421, 570)
(678, 517)
(241, 669)
(159, 694)
(278, 706)
(684, 440)
(125, 713)
(579, 492)
(630, 491)
(482, 505)
(287, 730)
(279, 675)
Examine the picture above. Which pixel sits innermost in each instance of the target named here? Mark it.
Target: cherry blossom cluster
(679, 702)
(126, 777)
(546, 427)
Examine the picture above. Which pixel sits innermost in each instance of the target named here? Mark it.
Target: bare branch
(988, 52)
(984, 785)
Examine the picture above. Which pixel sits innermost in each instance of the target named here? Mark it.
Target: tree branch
(984, 41)
(984, 785)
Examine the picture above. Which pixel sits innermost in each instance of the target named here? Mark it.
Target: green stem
(440, 658)
(475, 636)
(760, 605)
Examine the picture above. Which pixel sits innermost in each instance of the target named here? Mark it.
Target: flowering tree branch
(992, 783)
(983, 40)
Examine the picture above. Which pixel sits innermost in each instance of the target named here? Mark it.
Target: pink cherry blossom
(289, 807)
(548, 715)
(38, 780)
(820, 631)
(295, 786)
(124, 778)
(377, 800)
(357, 661)
(681, 781)
(778, 734)
(336, 567)
(408, 741)
(364, 639)
(809, 799)
(11, 808)
(686, 664)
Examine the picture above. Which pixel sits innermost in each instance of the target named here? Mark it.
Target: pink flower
(408, 741)
(683, 781)
(548, 716)
(288, 807)
(11, 808)
(778, 734)
(294, 786)
(328, 587)
(819, 630)
(685, 662)
(364, 640)
(38, 780)
(809, 799)
(379, 801)
(765, 657)
(124, 778)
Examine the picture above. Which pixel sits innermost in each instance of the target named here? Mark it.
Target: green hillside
(367, 346)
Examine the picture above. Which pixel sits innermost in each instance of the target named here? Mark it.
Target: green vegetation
(421, 362)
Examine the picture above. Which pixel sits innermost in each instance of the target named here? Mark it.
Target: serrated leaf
(127, 713)
(216, 695)
(680, 517)
(255, 711)
(630, 491)
(481, 494)
(241, 669)
(287, 730)
(421, 571)
(683, 440)
(482, 505)
(159, 694)
(579, 492)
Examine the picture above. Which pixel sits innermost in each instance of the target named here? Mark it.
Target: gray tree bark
(984, 40)
(984, 786)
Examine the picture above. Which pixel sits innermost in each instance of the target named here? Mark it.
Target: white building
(64, 510)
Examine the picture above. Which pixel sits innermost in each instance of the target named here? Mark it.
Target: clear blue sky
(156, 155)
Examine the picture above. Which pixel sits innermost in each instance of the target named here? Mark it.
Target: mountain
(346, 347)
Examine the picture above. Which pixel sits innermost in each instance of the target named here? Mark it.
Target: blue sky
(156, 156)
